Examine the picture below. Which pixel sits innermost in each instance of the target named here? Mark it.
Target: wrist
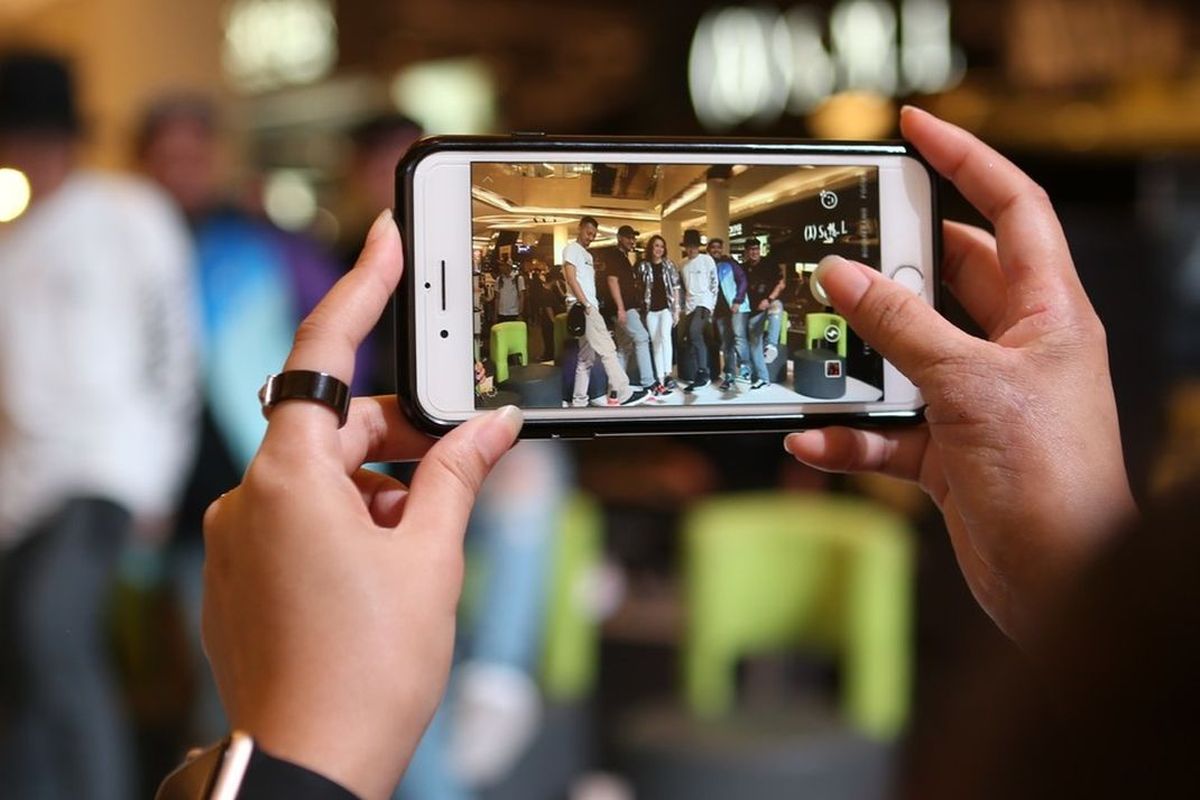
(238, 766)
(334, 748)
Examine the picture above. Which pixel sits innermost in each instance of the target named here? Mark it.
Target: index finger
(328, 338)
(1031, 245)
(377, 430)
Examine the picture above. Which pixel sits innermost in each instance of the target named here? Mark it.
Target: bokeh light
(273, 43)
(14, 194)
(454, 95)
(290, 199)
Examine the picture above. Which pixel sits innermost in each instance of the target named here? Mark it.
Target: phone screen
(599, 284)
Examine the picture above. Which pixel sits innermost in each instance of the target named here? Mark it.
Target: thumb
(897, 323)
(445, 484)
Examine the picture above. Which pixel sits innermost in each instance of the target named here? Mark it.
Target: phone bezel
(597, 423)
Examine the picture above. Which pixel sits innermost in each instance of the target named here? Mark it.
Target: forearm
(614, 289)
(576, 289)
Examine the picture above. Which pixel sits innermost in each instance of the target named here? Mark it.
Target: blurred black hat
(627, 230)
(380, 128)
(37, 93)
(691, 238)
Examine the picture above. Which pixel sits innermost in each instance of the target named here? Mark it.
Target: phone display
(652, 289)
(680, 317)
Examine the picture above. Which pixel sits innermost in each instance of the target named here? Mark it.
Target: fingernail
(513, 417)
(504, 424)
(379, 225)
(792, 439)
(844, 282)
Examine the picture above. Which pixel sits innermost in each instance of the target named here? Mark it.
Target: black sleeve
(270, 778)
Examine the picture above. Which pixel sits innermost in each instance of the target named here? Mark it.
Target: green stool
(768, 571)
(508, 338)
(571, 642)
(571, 648)
(825, 332)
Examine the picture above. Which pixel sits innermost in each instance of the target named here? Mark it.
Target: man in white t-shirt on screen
(580, 272)
(699, 274)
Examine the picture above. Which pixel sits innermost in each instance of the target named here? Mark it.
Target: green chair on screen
(508, 338)
(825, 331)
(770, 572)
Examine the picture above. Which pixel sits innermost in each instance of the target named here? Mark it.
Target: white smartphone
(616, 287)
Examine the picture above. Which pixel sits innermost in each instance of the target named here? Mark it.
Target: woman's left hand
(330, 590)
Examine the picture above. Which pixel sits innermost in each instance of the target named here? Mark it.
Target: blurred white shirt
(585, 272)
(700, 283)
(98, 362)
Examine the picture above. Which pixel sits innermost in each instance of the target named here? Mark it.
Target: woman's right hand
(1021, 449)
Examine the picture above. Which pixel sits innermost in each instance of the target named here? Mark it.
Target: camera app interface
(613, 285)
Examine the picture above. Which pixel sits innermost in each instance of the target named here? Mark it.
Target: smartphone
(647, 286)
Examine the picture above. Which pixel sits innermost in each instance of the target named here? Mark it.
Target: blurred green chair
(570, 649)
(822, 329)
(508, 338)
(570, 643)
(783, 328)
(768, 572)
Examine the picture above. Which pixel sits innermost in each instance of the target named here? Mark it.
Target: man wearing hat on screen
(628, 294)
(699, 274)
(97, 392)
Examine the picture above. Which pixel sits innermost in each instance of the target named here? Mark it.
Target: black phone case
(613, 423)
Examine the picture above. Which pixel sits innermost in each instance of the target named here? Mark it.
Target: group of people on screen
(637, 305)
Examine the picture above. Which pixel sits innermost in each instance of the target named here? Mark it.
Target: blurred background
(651, 618)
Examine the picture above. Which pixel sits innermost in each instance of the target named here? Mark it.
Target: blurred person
(765, 283)
(1020, 451)
(628, 296)
(556, 286)
(510, 292)
(97, 401)
(699, 275)
(730, 315)
(493, 708)
(543, 305)
(580, 272)
(660, 286)
(256, 282)
(377, 145)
